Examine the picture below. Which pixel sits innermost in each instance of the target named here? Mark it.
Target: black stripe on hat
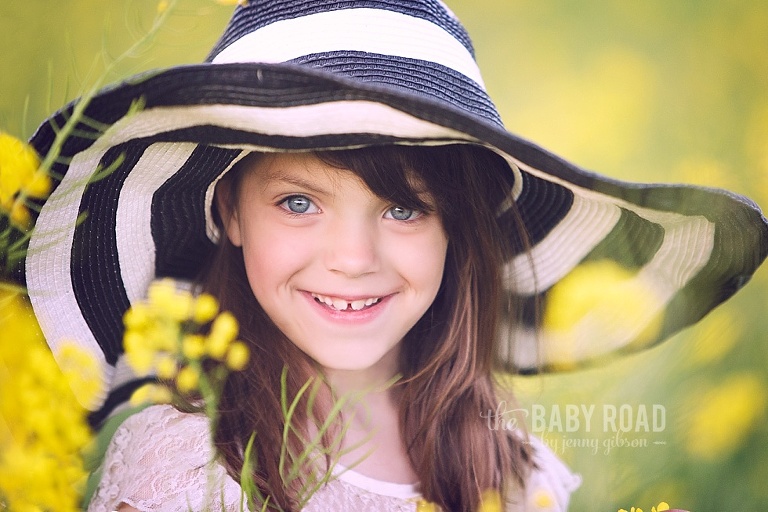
(260, 13)
(413, 75)
(209, 134)
(542, 205)
(178, 213)
(291, 85)
(95, 266)
(632, 242)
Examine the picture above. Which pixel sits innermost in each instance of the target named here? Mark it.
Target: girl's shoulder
(161, 459)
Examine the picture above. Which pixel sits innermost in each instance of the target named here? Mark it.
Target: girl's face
(342, 272)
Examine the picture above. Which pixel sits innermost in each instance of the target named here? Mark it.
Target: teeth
(339, 304)
(343, 305)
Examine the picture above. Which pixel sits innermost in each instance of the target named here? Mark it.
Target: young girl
(338, 178)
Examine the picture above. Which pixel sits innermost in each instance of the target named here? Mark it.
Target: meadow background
(650, 91)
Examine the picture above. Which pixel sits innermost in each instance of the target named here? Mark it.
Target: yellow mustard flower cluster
(43, 428)
(661, 507)
(20, 178)
(164, 336)
(723, 416)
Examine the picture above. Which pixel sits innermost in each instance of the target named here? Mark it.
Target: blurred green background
(649, 91)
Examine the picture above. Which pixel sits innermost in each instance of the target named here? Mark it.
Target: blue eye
(402, 213)
(299, 204)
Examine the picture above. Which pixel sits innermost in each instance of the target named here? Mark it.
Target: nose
(352, 248)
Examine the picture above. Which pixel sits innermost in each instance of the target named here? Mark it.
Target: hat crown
(414, 46)
(257, 14)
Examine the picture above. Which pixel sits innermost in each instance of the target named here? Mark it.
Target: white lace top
(158, 460)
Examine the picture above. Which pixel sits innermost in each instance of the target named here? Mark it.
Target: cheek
(270, 258)
(424, 260)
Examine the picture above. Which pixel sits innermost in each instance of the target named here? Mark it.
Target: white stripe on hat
(586, 225)
(368, 30)
(133, 225)
(332, 118)
(49, 282)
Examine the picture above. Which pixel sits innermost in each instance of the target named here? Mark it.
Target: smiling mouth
(340, 304)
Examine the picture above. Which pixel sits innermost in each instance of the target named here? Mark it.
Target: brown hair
(447, 358)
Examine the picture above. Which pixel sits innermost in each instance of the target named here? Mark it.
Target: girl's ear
(226, 204)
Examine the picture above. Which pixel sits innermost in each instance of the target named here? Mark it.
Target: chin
(357, 360)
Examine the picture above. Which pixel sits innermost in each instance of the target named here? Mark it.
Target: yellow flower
(225, 326)
(43, 427)
(16, 320)
(223, 332)
(162, 337)
(426, 506)
(187, 379)
(19, 214)
(167, 367)
(193, 346)
(82, 372)
(140, 395)
(20, 177)
(543, 500)
(137, 316)
(237, 356)
(660, 508)
(138, 353)
(722, 417)
(205, 308)
(152, 393)
(170, 302)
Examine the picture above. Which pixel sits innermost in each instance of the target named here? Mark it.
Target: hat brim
(150, 216)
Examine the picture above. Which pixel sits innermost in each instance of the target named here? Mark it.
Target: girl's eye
(402, 213)
(299, 204)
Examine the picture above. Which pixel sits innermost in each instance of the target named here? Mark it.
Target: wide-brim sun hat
(318, 75)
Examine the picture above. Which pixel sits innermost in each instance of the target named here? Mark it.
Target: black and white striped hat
(322, 74)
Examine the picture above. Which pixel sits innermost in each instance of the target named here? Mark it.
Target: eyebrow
(280, 177)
